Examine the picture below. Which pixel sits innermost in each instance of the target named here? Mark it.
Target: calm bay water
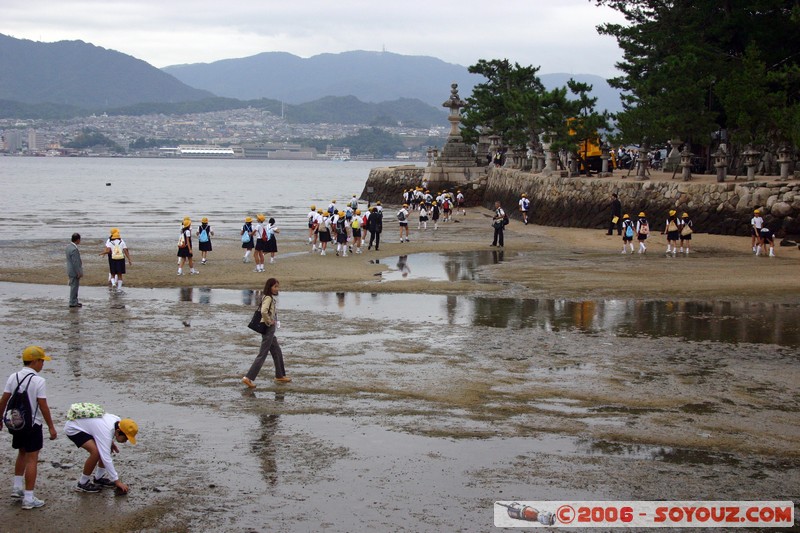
(148, 198)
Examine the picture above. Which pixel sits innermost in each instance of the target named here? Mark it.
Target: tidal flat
(407, 412)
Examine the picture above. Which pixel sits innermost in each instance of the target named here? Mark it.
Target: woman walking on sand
(204, 233)
(269, 343)
(247, 238)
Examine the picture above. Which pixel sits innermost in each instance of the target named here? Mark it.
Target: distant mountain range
(72, 78)
(369, 76)
(80, 74)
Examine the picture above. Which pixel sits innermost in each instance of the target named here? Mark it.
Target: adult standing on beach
(117, 251)
(499, 221)
(375, 227)
(272, 240)
(269, 343)
(247, 238)
(204, 234)
(616, 215)
(29, 441)
(185, 247)
(74, 269)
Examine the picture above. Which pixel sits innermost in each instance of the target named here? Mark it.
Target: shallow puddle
(457, 266)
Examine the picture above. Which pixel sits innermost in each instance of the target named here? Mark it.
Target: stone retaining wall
(718, 208)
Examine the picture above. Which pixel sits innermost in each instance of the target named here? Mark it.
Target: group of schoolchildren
(761, 236)
(259, 238)
(429, 208)
(25, 410)
(345, 227)
(185, 251)
(676, 229)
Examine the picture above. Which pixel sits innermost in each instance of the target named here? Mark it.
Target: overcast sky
(558, 35)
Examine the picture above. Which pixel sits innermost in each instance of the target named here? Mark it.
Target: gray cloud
(558, 36)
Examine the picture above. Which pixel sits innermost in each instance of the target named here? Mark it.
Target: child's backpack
(401, 216)
(644, 229)
(203, 235)
(629, 230)
(116, 250)
(356, 224)
(18, 416)
(182, 240)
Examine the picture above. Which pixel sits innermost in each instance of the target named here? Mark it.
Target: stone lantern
(482, 150)
(785, 160)
(605, 156)
(540, 159)
(429, 154)
(686, 163)
(751, 158)
(721, 164)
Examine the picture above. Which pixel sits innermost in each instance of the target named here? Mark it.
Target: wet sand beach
(416, 402)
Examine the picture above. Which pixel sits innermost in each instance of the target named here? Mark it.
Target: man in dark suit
(74, 269)
(616, 215)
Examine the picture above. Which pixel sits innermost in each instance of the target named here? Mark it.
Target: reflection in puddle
(720, 321)
(459, 266)
(666, 454)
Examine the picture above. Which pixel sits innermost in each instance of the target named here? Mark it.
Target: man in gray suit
(74, 269)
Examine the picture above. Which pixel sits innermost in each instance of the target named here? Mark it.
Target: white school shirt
(110, 245)
(35, 387)
(258, 230)
(757, 222)
(312, 216)
(102, 431)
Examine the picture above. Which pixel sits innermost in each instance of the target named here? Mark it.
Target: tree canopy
(514, 104)
(693, 68)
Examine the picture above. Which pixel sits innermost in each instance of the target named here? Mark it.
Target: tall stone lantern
(605, 156)
(686, 163)
(785, 160)
(721, 164)
(751, 158)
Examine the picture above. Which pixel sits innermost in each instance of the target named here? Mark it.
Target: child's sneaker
(32, 504)
(103, 482)
(86, 487)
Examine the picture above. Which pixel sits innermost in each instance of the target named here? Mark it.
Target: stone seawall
(717, 208)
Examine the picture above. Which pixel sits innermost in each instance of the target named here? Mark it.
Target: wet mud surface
(407, 412)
